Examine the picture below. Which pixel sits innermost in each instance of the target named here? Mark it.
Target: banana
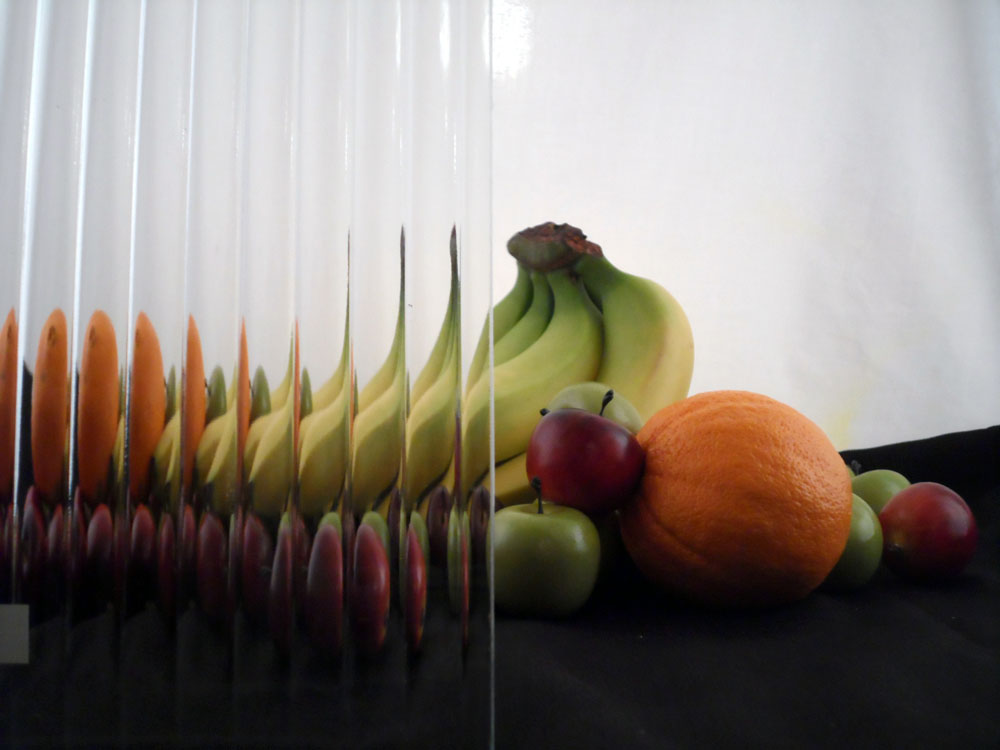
(568, 351)
(263, 424)
(431, 425)
(280, 394)
(208, 446)
(330, 390)
(323, 457)
(444, 344)
(531, 325)
(511, 485)
(220, 479)
(166, 457)
(378, 440)
(648, 346)
(378, 430)
(506, 313)
(118, 453)
(273, 463)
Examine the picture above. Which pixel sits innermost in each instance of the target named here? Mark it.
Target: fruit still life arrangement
(294, 506)
(726, 499)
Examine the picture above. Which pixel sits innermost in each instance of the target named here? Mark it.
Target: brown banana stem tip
(551, 246)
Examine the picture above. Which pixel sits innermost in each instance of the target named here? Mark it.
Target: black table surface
(894, 664)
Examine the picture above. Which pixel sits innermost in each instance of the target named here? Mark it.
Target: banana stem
(551, 246)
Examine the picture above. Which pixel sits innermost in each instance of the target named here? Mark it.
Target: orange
(8, 401)
(97, 406)
(194, 398)
(744, 501)
(148, 406)
(49, 405)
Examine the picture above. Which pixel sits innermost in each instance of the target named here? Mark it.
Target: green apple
(877, 487)
(863, 552)
(545, 559)
(590, 397)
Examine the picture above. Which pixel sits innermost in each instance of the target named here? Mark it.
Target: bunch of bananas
(570, 317)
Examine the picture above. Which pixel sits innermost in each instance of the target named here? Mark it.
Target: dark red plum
(584, 460)
(33, 547)
(280, 603)
(188, 546)
(255, 569)
(370, 591)
(100, 553)
(928, 532)
(210, 567)
(166, 565)
(324, 593)
(142, 551)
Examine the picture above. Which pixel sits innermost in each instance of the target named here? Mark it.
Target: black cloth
(892, 665)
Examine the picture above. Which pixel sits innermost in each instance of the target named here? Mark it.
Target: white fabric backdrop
(817, 183)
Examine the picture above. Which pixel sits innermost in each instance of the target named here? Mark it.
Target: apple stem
(605, 401)
(543, 412)
(536, 485)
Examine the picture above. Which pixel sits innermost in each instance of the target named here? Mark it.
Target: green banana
(378, 441)
(330, 390)
(648, 346)
(207, 447)
(531, 325)
(430, 427)
(220, 479)
(568, 351)
(506, 313)
(323, 456)
(272, 465)
(510, 485)
(443, 346)
(378, 431)
(166, 457)
(280, 394)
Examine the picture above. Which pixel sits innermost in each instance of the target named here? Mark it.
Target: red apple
(929, 533)
(414, 584)
(324, 593)
(585, 460)
(370, 591)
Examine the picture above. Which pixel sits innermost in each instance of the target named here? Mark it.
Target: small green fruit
(863, 552)
(260, 401)
(589, 397)
(332, 518)
(216, 405)
(373, 519)
(306, 395)
(878, 486)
